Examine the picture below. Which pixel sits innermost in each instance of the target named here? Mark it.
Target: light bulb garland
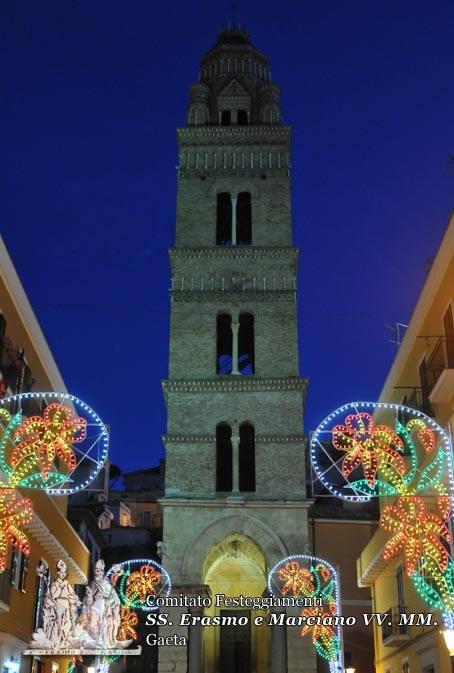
(312, 578)
(137, 579)
(15, 512)
(60, 452)
(402, 460)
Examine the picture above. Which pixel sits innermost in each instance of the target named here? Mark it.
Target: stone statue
(95, 630)
(101, 617)
(60, 603)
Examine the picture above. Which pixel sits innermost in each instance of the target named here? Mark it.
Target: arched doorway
(235, 567)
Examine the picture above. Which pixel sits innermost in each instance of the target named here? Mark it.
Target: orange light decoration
(323, 635)
(296, 580)
(368, 445)
(416, 533)
(129, 620)
(39, 440)
(140, 584)
(15, 512)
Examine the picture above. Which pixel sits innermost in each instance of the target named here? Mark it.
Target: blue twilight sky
(91, 95)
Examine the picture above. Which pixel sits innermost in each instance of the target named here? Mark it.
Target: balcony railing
(392, 630)
(416, 398)
(441, 358)
(14, 369)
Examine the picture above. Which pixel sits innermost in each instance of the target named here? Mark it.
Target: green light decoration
(405, 460)
(313, 578)
(61, 449)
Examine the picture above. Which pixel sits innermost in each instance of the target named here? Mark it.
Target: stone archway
(264, 537)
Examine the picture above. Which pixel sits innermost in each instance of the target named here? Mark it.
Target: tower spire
(234, 9)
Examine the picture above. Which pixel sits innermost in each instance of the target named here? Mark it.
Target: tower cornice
(232, 134)
(241, 384)
(248, 252)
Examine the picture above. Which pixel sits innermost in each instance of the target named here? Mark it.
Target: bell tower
(235, 500)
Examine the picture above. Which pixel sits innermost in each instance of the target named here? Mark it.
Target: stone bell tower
(235, 500)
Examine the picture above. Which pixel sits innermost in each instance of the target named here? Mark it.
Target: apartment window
(41, 586)
(425, 389)
(448, 325)
(19, 570)
(246, 458)
(37, 665)
(224, 474)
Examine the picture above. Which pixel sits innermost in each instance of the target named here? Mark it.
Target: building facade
(235, 492)
(421, 377)
(26, 363)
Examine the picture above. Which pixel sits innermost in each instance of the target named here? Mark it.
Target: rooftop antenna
(397, 332)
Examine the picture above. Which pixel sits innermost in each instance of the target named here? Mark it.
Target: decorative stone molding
(233, 252)
(210, 296)
(240, 384)
(211, 439)
(237, 172)
(237, 134)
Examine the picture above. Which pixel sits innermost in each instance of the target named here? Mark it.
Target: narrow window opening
(242, 119)
(246, 355)
(244, 219)
(246, 457)
(224, 481)
(224, 219)
(224, 344)
(448, 324)
(226, 118)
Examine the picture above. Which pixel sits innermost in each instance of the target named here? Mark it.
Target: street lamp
(348, 668)
(448, 635)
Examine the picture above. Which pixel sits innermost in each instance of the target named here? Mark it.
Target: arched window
(246, 355)
(246, 457)
(224, 344)
(224, 481)
(242, 118)
(225, 118)
(224, 219)
(244, 219)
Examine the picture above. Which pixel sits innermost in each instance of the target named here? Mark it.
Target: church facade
(235, 500)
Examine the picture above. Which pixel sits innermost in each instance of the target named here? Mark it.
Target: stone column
(278, 647)
(235, 464)
(235, 330)
(195, 663)
(233, 200)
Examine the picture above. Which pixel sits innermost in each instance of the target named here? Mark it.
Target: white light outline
(334, 666)
(357, 406)
(102, 440)
(154, 564)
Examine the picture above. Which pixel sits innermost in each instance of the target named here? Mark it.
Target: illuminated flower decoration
(296, 580)
(129, 620)
(141, 583)
(323, 636)
(15, 512)
(39, 440)
(425, 435)
(416, 533)
(368, 445)
(444, 505)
